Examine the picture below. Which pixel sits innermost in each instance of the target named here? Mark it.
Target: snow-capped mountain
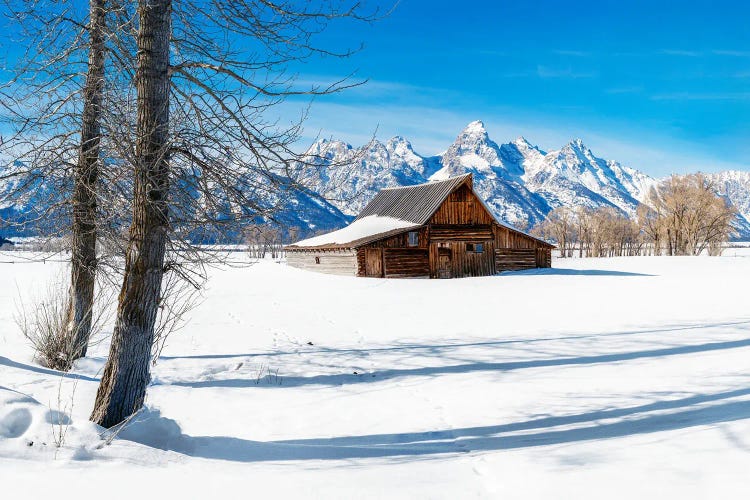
(574, 176)
(31, 203)
(350, 177)
(735, 186)
(520, 182)
(34, 205)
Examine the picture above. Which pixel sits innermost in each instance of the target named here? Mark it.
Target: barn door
(373, 262)
(444, 263)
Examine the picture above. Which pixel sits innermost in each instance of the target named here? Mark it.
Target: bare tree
(126, 373)
(205, 153)
(86, 172)
(559, 226)
(651, 222)
(600, 232)
(686, 213)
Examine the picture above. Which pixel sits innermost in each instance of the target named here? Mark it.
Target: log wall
(406, 263)
(341, 262)
(515, 259)
(516, 251)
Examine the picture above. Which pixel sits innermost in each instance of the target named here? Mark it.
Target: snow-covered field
(600, 378)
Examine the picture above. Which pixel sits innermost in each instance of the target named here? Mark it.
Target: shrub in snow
(45, 322)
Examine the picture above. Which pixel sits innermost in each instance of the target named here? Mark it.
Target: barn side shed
(439, 229)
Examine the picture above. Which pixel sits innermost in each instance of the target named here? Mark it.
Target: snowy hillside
(39, 201)
(28, 215)
(735, 186)
(629, 385)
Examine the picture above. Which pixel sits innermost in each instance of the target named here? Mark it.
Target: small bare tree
(559, 226)
(54, 106)
(43, 320)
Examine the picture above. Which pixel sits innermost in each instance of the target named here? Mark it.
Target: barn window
(413, 239)
(317, 260)
(475, 247)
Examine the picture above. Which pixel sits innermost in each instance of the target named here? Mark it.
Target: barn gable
(413, 203)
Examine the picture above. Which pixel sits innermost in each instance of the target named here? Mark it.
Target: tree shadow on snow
(554, 271)
(431, 371)
(432, 347)
(164, 433)
(45, 371)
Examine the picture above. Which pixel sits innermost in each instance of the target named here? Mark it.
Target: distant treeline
(683, 215)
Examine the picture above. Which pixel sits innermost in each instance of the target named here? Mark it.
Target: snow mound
(150, 428)
(30, 429)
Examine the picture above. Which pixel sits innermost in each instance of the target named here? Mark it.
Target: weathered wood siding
(370, 262)
(462, 262)
(461, 220)
(461, 207)
(475, 233)
(342, 262)
(543, 257)
(507, 238)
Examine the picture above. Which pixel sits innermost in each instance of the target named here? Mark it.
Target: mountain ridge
(520, 181)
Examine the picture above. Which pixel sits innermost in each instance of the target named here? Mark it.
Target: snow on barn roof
(359, 232)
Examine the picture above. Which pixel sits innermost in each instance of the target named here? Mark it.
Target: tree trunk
(83, 257)
(123, 387)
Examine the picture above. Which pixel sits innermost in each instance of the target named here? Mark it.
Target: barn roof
(412, 203)
(396, 210)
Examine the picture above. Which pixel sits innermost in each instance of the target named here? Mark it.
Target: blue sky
(661, 86)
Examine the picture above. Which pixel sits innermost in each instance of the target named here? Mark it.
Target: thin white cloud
(731, 53)
(568, 72)
(697, 96)
(701, 53)
(682, 53)
(635, 89)
(573, 53)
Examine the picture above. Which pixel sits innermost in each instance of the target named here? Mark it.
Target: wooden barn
(439, 229)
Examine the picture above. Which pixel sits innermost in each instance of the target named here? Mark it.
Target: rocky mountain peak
(475, 128)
